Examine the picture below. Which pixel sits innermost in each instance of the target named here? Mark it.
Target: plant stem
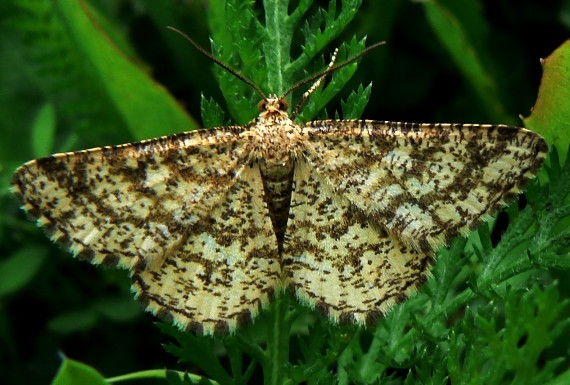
(277, 351)
(156, 373)
(276, 48)
(277, 43)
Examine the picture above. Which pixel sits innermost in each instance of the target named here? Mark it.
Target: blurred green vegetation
(75, 75)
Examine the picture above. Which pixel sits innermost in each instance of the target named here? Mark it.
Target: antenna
(225, 66)
(330, 69)
(315, 85)
(322, 75)
(319, 77)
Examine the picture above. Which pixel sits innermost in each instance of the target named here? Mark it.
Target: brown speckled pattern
(211, 223)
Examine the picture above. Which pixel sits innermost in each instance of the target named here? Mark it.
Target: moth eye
(261, 106)
(283, 105)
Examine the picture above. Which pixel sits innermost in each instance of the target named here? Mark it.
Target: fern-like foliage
(263, 51)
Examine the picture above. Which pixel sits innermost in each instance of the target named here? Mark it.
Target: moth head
(273, 104)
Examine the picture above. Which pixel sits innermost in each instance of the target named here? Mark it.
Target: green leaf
(493, 345)
(563, 379)
(146, 107)
(551, 115)
(238, 44)
(197, 350)
(212, 114)
(321, 28)
(20, 268)
(73, 372)
(356, 102)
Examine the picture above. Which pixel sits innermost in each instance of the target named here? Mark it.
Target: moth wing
(140, 206)
(424, 183)
(227, 269)
(338, 261)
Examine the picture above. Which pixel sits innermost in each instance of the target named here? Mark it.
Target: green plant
(490, 314)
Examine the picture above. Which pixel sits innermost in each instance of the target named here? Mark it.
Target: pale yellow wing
(424, 183)
(227, 269)
(339, 261)
(157, 204)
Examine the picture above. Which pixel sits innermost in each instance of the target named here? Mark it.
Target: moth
(212, 223)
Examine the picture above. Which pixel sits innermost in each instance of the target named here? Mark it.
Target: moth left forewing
(130, 204)
(184, 213)
(425, 183)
